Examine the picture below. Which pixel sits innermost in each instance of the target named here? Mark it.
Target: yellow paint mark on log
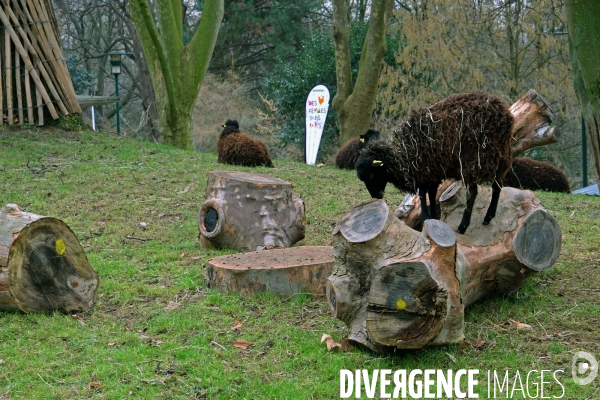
(401, 304)
(61, 247)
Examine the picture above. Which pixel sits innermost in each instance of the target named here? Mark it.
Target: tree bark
(583, 20)
(249, 212)
(533, 118)
(354, 105)
(397, 288)
(284, 272)
(42, 265)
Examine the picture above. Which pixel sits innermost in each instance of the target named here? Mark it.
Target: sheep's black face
(371, 134)
(373, 173)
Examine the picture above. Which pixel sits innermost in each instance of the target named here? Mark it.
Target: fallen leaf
(331, 344)
(520, 325)
(196, 258)
(236, 325)
(181, 255)
(187, 188)
(478, 343)
(171, 306)
(452, 358)
(242, 344)
(110, 344)
(95, 384)
(161, 215)
(78, 318)
(320, 165)
(143, 337)
(157, 341)
(142, 224)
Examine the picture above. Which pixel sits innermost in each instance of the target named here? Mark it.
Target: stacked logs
(396, 287)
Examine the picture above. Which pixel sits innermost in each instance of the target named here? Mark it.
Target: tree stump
(284, 272)
(42, 265)
(399, 288)
(249, 212)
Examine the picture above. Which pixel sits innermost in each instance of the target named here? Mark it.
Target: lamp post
(115, 68)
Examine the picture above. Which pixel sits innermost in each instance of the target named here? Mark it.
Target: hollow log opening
(210, 220)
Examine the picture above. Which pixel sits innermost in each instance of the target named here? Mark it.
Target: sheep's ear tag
(362, 139)
(378, 163)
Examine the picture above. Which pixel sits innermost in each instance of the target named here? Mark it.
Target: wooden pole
(37, 61)
(8, 60)
(55, 86)
(18, 87)
(28, 98)
(1, 92)
(28, 64)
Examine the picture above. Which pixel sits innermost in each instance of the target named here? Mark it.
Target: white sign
(317, 105)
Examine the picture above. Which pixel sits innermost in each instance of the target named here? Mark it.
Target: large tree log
(42, 265)
(249, 212)
(533, 118)
(398, 288)
(284, 272)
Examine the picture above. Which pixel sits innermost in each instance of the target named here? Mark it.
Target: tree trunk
(396, 287)
(249, 212)
(42, 265)
(284, 272)
(176, 70)
(583, 20)
(354, 104)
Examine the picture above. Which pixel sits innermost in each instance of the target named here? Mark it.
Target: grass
(130, 345)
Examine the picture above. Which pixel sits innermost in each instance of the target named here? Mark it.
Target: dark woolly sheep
(237, 148)
(348, 154)
(464, 137)
(527, 173)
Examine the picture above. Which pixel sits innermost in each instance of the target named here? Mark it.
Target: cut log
(284, 272)
(497, 258)
(399, 288)
(42, 265)
(249, 212)
(533, 118)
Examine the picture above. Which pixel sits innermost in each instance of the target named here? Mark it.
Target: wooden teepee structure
(33, 71)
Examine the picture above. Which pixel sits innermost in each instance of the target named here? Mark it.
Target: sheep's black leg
(491, 211)
(466, 219)
(431, 193)
(424, 208)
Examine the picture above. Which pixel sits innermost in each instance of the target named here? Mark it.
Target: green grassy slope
(131, 345)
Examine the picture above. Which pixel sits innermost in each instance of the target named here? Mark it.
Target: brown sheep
(527, 173)
(237, 148)
(348, 154)
(465, 137)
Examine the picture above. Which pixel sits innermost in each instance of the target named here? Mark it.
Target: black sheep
(237, 148)
(527, 173)
(348, 154)
(464, 137)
